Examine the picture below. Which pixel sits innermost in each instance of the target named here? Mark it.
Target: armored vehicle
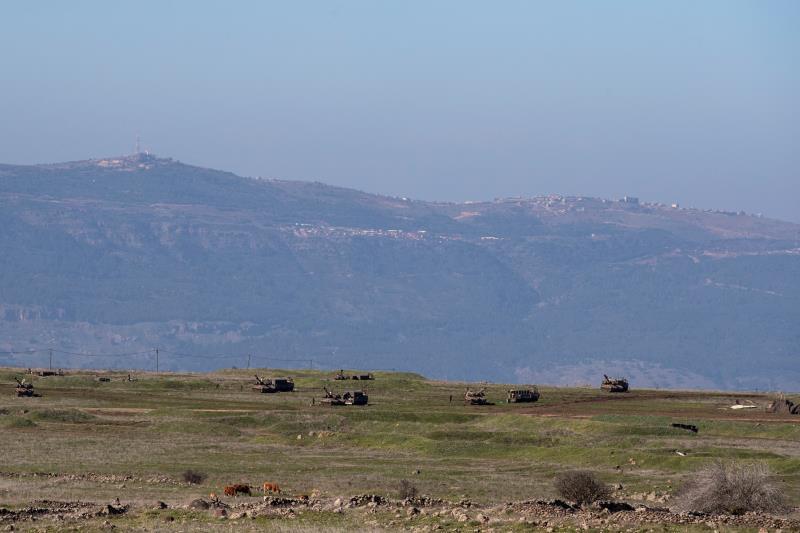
(23, 388)
(283, 384)
(273, 385)
(347, 398)
(44, 373)
(614, 384)
(339, 376)
(472, 397)
(522, 395)
(783, 406)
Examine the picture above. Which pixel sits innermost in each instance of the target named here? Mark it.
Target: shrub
(68, 416)
(16, 422)
(407, 490)
(581, 487)
(194, 477)
(731, 488)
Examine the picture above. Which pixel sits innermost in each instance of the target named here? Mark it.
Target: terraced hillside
(89, 441)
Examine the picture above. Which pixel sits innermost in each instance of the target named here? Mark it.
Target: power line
(157, 352)
(128, 354)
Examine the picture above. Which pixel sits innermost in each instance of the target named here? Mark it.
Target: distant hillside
(128, 253)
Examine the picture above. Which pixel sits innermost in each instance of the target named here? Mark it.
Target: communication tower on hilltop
(138, 152)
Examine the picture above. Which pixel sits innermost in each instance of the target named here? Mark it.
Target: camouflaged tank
(614, 384)
(346, 398)
(273, 385)
(472, 397)
(24, 389)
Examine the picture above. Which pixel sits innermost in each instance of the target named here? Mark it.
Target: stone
(199, 503)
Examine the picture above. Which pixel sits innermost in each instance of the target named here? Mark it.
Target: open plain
(92, 455)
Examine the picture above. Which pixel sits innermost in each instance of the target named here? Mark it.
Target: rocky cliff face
(124, 254)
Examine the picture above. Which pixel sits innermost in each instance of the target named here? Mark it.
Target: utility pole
(248, 361)
(156, 359)
(51, 359)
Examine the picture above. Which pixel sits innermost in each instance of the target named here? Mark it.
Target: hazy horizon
(676, 102)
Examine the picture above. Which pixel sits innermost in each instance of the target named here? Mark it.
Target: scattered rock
(365, 499)
(460, 515)
(614, 507)
(199, 504)
(113, 510)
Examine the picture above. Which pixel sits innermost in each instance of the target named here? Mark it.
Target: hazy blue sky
(688, 101)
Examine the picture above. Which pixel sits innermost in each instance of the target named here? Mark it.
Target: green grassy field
(154, 429)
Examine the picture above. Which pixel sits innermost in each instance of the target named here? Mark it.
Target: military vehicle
(614, 384)
(522, 395)
(781, 405)
(347, 398)
(24, 389)
(362, 377)
(44, 373)
(283, 384)
(273, 385)
(472, 397)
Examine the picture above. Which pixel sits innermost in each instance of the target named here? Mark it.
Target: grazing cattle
(271, 488)
(236, 489)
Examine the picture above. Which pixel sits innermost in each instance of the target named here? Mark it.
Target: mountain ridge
(138, 251)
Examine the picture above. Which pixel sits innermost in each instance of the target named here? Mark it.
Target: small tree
(194, 477)
(731, 488)
(581, 487)
(407, 490)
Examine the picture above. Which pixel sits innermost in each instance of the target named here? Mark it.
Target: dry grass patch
(732, 488)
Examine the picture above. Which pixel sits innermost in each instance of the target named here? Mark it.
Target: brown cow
(236, 489)
(271, 488)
